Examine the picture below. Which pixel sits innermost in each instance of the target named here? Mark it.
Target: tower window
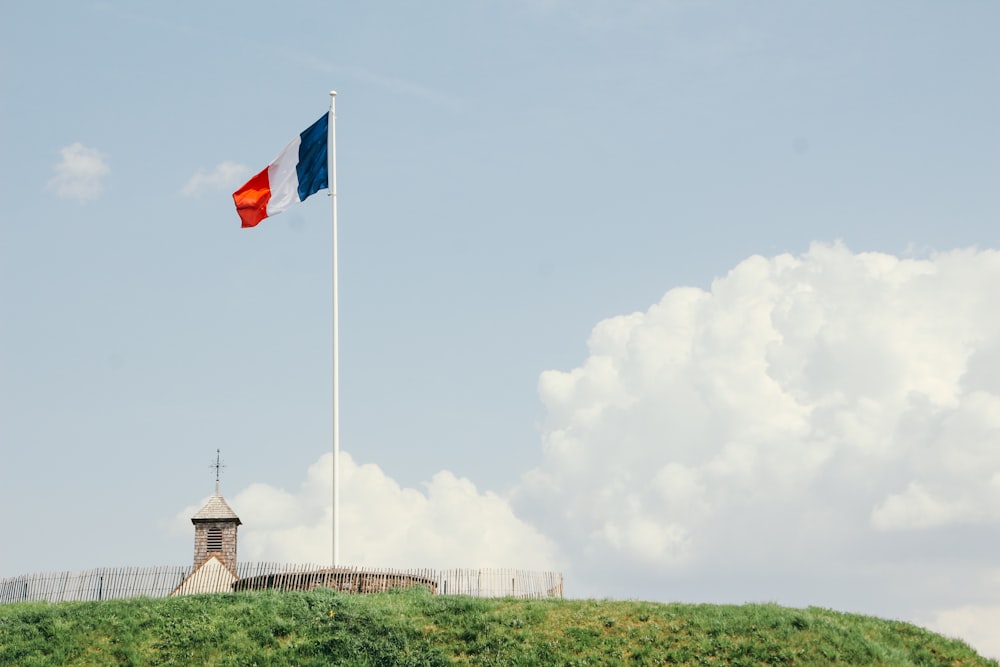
(214, 540)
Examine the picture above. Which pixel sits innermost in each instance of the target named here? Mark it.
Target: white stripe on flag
(284, 179)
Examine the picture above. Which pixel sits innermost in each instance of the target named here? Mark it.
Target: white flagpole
(332, 166)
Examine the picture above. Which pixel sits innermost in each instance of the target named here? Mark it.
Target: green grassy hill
(415, 628)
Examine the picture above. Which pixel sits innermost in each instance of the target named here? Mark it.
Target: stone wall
(345, 580)
(224, 538)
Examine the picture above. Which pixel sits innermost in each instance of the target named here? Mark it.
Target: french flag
(299, 171)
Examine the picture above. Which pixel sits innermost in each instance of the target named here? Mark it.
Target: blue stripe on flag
(312, 166)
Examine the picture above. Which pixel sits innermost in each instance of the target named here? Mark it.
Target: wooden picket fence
(129, 582)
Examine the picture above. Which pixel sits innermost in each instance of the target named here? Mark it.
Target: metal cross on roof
(218, 465)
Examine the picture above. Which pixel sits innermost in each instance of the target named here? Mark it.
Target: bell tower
(215, 526)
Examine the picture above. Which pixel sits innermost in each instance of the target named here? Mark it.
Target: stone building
(215, 527)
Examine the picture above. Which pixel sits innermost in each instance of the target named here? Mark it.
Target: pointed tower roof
(216, 509)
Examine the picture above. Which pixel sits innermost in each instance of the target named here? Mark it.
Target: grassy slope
(415, 628)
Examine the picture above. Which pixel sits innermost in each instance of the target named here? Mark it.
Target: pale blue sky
(510, 174)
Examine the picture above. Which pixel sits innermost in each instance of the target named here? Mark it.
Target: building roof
(216, 509)
(212, 576)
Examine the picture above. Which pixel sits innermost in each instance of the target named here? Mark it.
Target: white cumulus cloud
(815, 429)
(80, 173)
(447, 524)
(975, 624)
(820, 429)
(225, 176)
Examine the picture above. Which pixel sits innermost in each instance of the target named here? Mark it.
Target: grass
(415, 628)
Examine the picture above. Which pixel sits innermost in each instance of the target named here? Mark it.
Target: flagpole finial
(333, 93)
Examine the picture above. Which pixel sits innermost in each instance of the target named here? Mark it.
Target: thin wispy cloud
(224, 177)
(394, 84)
(80, 173)
(401, 86)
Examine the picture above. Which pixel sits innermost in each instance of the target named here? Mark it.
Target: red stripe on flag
(251, 200)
